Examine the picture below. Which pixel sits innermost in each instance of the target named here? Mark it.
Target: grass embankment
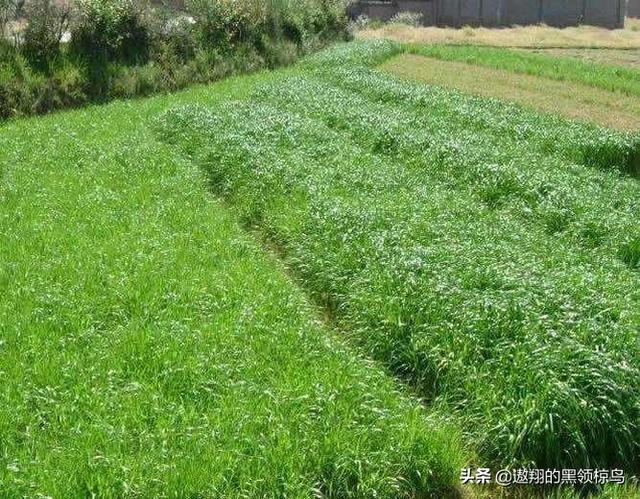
(488, 255)
(573, 100)
(517, 36)
(148, 347)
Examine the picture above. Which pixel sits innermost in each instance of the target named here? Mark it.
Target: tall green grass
(477, 249)
(606, 77)
(150, 348)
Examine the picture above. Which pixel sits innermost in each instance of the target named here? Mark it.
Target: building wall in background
(605, 13)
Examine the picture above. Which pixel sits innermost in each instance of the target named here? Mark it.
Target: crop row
(505, 156)
(149, 348)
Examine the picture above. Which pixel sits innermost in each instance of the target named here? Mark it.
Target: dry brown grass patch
(518, 36)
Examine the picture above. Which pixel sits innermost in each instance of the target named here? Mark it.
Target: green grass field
(615, 78)
(149, 347)
(322, 281)
(510, 293)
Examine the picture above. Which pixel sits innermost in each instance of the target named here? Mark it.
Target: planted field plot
(486, 254)
(624, 58)
(574, 100)
(612, 78)
(149, 348)
(476, 265)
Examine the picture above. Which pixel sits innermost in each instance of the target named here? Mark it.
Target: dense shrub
(111, 30)
(135, 80)
(108, 31)
(15, 96)
(25, 91)
(120, 49)
(223, 23)
(174, 37)
(219, 25)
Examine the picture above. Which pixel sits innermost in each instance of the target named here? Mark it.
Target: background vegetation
(63, 53)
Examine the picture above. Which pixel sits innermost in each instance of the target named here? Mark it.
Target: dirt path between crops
(575, 101)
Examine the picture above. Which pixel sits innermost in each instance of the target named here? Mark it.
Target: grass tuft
(630, 253)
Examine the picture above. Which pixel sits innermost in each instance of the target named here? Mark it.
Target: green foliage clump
(27, 91)
(224, 24)
(110, 31)
(123, 49)
(48, 21)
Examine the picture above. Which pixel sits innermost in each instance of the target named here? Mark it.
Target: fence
(605, 13)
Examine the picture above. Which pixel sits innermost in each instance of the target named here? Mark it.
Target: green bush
(109, 31)
(136, 80)
(15, 95)
(24, 91)
(279, 52)
(329, 18)
(221, 25)
(119, 49)
(174, 37)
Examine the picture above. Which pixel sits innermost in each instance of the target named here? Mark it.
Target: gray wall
(492, 13)
(633, 9)
(606, 13)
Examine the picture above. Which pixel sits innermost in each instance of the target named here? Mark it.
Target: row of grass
(149, 347)
(606, 77)
(485, 254)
